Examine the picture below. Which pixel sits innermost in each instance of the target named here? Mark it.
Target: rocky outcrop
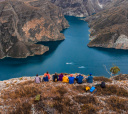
(25, 22)
(81, 8)
(109, 28)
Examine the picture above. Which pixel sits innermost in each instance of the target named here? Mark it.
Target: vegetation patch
(121, 77)
(112, 90)
(103, 79)
(61, 90)
(85, 99)
(22, 108)
(79, 88)
(89, 109)
(25, 91)
(118, 104)
(62, 103)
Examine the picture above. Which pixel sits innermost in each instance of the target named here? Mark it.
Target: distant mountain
(25, 22)
(108, 20)
(109, 28)
(81, 8)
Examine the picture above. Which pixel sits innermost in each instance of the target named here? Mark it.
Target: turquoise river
(71, 55)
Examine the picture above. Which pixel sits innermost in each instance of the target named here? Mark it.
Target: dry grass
(79, 88)
(60, 97)
(118, 104)
(23, 108)
(23, 91)
(25, 83)
(61, 90)
(85, 99)
(121, 77)
(17, 97)
(89, 109)
(104, 79)
(112, 90)
(61, 104)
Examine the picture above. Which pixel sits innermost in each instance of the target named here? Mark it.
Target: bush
(86, 99)
(60, 103)
(112, 90)
(25, 91)
(121, 77)
(22, 91)
(114, 70)
(61, 90)
(117, 104)
(79, 88)
(89, 109)
(102, 79)
(24, 108)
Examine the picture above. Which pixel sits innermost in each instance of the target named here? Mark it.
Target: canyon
(26, 22)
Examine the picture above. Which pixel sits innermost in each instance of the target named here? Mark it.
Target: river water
(71, 55)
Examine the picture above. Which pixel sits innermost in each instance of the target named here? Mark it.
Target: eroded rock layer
(81, 8)
(109, 28)
(25, 22)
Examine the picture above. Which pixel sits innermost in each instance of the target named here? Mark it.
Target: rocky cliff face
(81, 8)
(25, 22)
(109, 28)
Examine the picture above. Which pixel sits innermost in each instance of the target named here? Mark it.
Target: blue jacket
(45, 79)
(71, 80)
(79, 79)
(90, 79)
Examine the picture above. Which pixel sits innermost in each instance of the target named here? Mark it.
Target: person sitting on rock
(90, 78)
(55, 77)
(65, 79)
(71, 79)
(45, 78)
(60, 77)
(37, 79)
(79, 79)
(47, 74)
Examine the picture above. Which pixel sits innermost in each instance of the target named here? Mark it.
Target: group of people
(64, 78)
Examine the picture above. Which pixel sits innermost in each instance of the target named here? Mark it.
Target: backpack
(87, 88)
(92, 89)
(102, 84)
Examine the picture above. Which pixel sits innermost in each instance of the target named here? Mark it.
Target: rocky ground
(17, 96)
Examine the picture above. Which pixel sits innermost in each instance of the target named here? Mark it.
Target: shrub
(121, 77)
(102, 79)
(112, 90)
(21, 78)
(60, 103)
(25, 83)
(89, 109)
(86, 99)
(24, 108)
(22, 91)
(117, 104)
(114, 70)
(79, 88)
(61, 90)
